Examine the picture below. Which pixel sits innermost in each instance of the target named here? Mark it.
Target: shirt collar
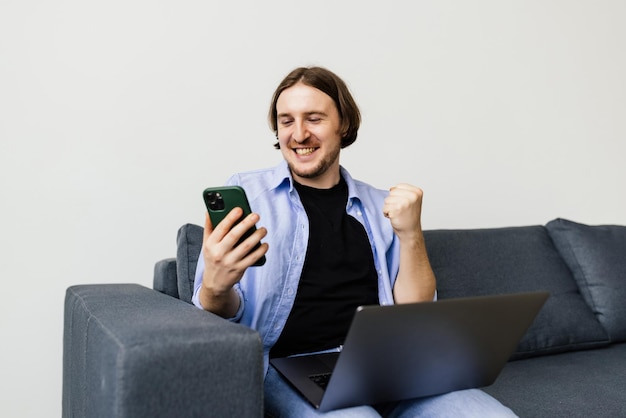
(352, 189)
(282, 176)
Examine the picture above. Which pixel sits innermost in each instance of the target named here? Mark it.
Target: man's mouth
(304, 151)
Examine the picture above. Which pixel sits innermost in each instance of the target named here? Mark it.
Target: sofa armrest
(165, 279)
(129, 351)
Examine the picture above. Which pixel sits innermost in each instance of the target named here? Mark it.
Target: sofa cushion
(588, 383)
(511, 260)
(189, 245)
(596, 255)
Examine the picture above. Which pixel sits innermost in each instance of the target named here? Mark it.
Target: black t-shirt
(338, 275)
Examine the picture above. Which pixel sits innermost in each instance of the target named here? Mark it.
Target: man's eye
(315, 120)
(286, 122)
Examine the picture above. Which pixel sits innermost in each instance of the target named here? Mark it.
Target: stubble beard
(320, 169)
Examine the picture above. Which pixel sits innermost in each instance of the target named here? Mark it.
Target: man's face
(308, 134)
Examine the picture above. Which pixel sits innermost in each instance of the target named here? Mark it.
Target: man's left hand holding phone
(231, 244)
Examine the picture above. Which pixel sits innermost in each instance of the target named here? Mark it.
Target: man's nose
(300, 132)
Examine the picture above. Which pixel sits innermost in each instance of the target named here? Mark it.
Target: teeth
(304, 151)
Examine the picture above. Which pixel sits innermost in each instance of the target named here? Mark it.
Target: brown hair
(329, 83)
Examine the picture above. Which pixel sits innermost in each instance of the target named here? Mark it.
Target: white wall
(115, 115)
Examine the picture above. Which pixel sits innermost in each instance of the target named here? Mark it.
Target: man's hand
(415, 281)
(403, 207)
(225, 262)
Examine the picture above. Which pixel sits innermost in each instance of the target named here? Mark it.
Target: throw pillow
(596, 255)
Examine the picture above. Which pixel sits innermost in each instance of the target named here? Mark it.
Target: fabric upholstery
(132, 352)
(164, 279)
(189, 245)
(129, 351)
(583, 384)
(596, 255)
(510, 260)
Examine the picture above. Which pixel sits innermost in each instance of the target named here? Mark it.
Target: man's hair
(329, 83)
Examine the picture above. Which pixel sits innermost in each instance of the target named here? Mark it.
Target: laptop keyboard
(321, 379)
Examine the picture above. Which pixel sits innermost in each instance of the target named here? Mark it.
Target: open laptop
(413, 350)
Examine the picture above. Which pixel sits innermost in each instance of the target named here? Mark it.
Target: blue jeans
(281, 401)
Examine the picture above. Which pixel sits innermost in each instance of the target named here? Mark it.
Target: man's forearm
(416, 280)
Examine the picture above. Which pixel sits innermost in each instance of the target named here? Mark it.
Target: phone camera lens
(215, 201)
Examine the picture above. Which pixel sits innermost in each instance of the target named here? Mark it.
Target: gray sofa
(130, 351)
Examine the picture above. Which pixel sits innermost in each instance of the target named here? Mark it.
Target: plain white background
(115, 115)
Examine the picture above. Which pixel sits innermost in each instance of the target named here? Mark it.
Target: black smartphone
(220, 201)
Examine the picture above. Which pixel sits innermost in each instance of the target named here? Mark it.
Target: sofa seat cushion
(596, 255)
(589, 383)
(512, 260)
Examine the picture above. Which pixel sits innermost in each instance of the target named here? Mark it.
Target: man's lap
(281, 400)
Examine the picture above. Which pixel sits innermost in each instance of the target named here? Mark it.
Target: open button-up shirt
(267, 293)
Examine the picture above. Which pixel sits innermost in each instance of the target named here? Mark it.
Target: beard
(318, 170)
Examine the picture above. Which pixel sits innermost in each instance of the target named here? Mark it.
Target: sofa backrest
(510, 260)
(583, 267)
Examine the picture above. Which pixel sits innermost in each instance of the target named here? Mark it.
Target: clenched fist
(403, 207)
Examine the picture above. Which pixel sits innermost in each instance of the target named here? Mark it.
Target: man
(332, 243)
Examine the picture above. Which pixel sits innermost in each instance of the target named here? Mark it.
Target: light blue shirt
(267, 293)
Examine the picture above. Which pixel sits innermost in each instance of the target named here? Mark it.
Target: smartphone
(220, 201)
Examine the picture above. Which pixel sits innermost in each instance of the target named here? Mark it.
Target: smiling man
(310, 134)
(332, 243)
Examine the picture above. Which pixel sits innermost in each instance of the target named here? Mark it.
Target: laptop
(414, 350)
